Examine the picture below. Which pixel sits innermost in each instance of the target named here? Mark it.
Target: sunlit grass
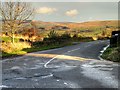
(8, 39)
(9, 47)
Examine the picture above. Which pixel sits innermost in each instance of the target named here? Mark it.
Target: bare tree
(13, 15)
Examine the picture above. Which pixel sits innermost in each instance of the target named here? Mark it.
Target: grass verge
(112, 54)
(33, 49)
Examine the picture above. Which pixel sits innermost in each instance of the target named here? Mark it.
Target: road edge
(102, 51)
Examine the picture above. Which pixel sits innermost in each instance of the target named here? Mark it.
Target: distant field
(87, 29)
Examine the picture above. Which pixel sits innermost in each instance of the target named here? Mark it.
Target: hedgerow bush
(53, 34)
(9, 47)
(81, 38)
(54, 38)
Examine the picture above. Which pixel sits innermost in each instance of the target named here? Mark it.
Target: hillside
(91, 28)
(83, 24)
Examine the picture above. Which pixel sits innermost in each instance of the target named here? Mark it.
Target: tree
(14, 14)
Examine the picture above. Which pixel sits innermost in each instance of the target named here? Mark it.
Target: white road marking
(74, 50)
(15, 68)
(50, 75)
(3, 86)
(103, 52)
(58, 80)
(65, 83)
(45, 65)
(20, 78)
(71, 84)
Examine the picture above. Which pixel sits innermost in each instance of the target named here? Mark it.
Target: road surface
(76, 66)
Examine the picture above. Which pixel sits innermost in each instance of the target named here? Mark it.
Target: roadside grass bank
(112, 54)
(32, 49)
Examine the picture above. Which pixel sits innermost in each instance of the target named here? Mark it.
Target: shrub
(65, 36)
(75, 36)
(10, 47)
(37, 43)
(54, 38)
(52, 34)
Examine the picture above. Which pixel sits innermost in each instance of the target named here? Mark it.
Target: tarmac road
(76, 66)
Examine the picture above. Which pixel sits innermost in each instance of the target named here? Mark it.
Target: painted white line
(45, 65)
(102, 52)
(71, 84)
(3, 86)
(57, 80)
(65, 83)
(74, 50)
(50, 75)
(20, 78)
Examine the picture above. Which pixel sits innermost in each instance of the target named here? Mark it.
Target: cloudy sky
(75, 11)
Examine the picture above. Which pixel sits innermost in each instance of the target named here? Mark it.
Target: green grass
(32, 49)
(8, 39)
(112, 54)
(16, 53)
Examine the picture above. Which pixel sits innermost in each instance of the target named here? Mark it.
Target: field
(87, 29)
